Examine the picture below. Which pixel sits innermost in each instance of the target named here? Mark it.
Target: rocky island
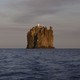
(40, 37)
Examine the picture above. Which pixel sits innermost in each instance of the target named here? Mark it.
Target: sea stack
(40, 37)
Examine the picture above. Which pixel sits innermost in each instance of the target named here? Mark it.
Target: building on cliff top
(40, 37)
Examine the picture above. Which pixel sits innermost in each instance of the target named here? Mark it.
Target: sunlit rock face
(40, 37)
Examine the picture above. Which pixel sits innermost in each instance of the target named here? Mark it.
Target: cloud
(26, 11)
(31, 11)
(15, 14)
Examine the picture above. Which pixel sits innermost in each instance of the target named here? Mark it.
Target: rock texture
(40, 37)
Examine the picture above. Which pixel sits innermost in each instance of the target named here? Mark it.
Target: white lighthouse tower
(38, 25)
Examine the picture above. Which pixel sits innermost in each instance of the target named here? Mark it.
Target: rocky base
(40, 37)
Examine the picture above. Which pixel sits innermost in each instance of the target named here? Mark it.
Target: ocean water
(39, 64)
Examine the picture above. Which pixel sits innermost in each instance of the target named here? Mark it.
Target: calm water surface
(39, 64)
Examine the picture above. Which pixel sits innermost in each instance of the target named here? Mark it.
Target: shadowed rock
(40, 37)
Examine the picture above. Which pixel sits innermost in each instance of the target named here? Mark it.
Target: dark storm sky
(18, 16)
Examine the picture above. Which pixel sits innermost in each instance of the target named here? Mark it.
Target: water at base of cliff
(39, 64)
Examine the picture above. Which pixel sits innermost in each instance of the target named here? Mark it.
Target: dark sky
(18, 16)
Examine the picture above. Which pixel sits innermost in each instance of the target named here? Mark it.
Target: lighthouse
(38, 25)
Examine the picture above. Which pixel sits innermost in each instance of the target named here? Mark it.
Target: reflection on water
(39, 64)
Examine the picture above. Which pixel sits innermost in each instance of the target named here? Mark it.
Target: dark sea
(39, 64)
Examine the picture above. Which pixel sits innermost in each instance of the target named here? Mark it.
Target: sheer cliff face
(40, 37)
